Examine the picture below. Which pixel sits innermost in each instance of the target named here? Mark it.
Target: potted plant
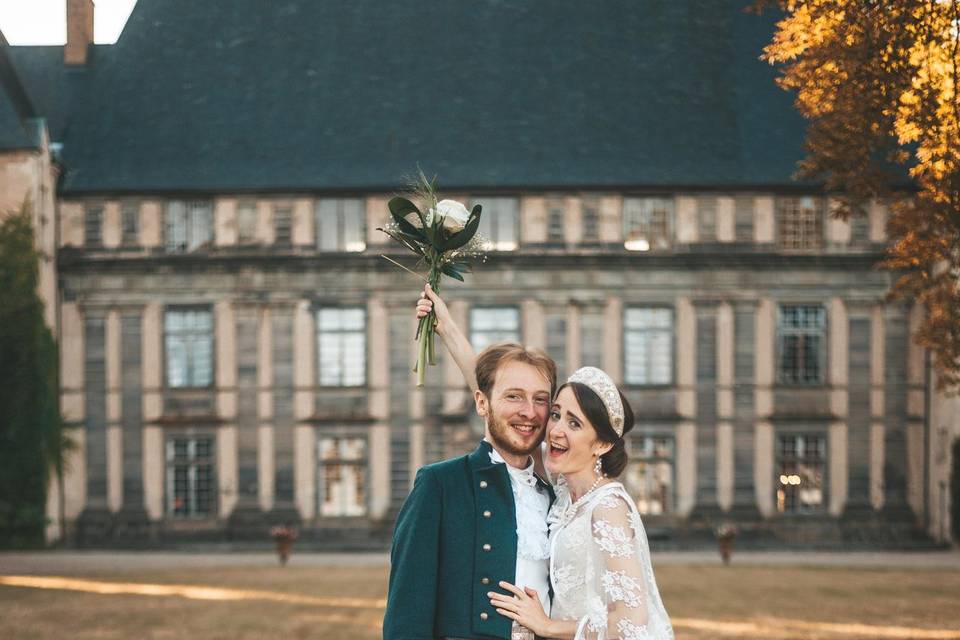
(726, 533)
(283, 536)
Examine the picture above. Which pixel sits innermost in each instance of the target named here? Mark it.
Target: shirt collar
(525, 475)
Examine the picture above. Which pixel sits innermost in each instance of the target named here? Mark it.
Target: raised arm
(453, 338)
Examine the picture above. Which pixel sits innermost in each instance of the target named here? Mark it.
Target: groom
(473, 521)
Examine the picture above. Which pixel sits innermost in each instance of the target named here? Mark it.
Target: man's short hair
(495, 356)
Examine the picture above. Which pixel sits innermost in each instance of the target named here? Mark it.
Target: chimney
(79, 31)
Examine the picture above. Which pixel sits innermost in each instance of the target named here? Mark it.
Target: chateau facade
(236, 352)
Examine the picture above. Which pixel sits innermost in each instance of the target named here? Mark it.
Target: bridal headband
(602, 385)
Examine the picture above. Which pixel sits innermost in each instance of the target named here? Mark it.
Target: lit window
(188, 225)
(802, 342)
(489, 325)
(648, 346)
(191, 483)
(340, 224)
(342, 346)
(800, 467)
(647, 223)
(649, 475)
(342, 476)
(498, 222)
(189, 347)
(800, 223)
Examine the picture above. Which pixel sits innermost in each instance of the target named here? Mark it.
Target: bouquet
(444, 236)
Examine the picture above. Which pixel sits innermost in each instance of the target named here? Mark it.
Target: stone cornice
(221, 259)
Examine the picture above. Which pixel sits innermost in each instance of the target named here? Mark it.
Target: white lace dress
(600, 567)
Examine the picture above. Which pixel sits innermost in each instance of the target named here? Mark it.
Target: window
(342, 476)
(647, 223)
(707, 211)
(281, 226)
(800, 223)
(801, 460)
(489, 325)
(802, 344)
(859, 229)
(649, 476)
(189, 347)
(555, 220)
(648, 346)
(743, 212)
(340, 224)
(130, 223)
(341, 346)
(498, 222)
(247, 222)
(191, 484)
(93, 225)
(590, 219)
(188, 225)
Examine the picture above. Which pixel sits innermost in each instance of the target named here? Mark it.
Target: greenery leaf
(452, 272)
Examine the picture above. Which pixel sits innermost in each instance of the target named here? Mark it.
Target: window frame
(802, 432)
(129, 210)
(341, 244)
(555, 210)
(821, 221)
(645, 216)
(191, 208)
(496, 307)
(287, 210)
(486, 221)
(823, 353)
(168, 490)
(673, 346)
(363, 463)
(93, 215)
(635, 457)
(213, 347)
(365, 332)
(247, 206)
(591, 202)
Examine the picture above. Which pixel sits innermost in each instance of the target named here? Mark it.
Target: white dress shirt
(533, 545)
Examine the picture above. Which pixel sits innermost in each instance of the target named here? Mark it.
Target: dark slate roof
(19, 127)
(50, 83)
(352, 94)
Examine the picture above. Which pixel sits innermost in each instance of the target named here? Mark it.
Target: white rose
(454, 214)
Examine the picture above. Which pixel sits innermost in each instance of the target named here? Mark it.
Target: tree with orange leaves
(877, 80)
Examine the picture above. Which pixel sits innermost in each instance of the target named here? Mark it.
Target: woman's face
(571, 438)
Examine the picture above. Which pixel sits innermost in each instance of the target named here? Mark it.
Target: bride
(600, 570)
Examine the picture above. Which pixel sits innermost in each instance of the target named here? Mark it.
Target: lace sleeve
(618, 606)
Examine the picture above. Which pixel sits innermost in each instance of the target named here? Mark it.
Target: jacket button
(487, 547)
(483, 484)
(484, 580)
(486, 514)
(484, 616)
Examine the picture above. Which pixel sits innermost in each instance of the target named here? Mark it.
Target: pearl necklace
(592, 487)
(560, 518)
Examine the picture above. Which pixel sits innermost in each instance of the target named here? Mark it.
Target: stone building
(236, 353)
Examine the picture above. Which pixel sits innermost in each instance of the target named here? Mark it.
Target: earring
(598, 468)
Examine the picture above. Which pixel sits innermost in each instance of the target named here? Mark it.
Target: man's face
(516, 411)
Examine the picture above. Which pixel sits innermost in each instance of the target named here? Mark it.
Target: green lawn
(704, 601)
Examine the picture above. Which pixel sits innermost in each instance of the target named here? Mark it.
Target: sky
(45, 21)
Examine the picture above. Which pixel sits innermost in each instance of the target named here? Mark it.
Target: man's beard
(500, 434)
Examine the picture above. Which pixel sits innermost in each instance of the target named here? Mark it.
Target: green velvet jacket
(455, 539)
